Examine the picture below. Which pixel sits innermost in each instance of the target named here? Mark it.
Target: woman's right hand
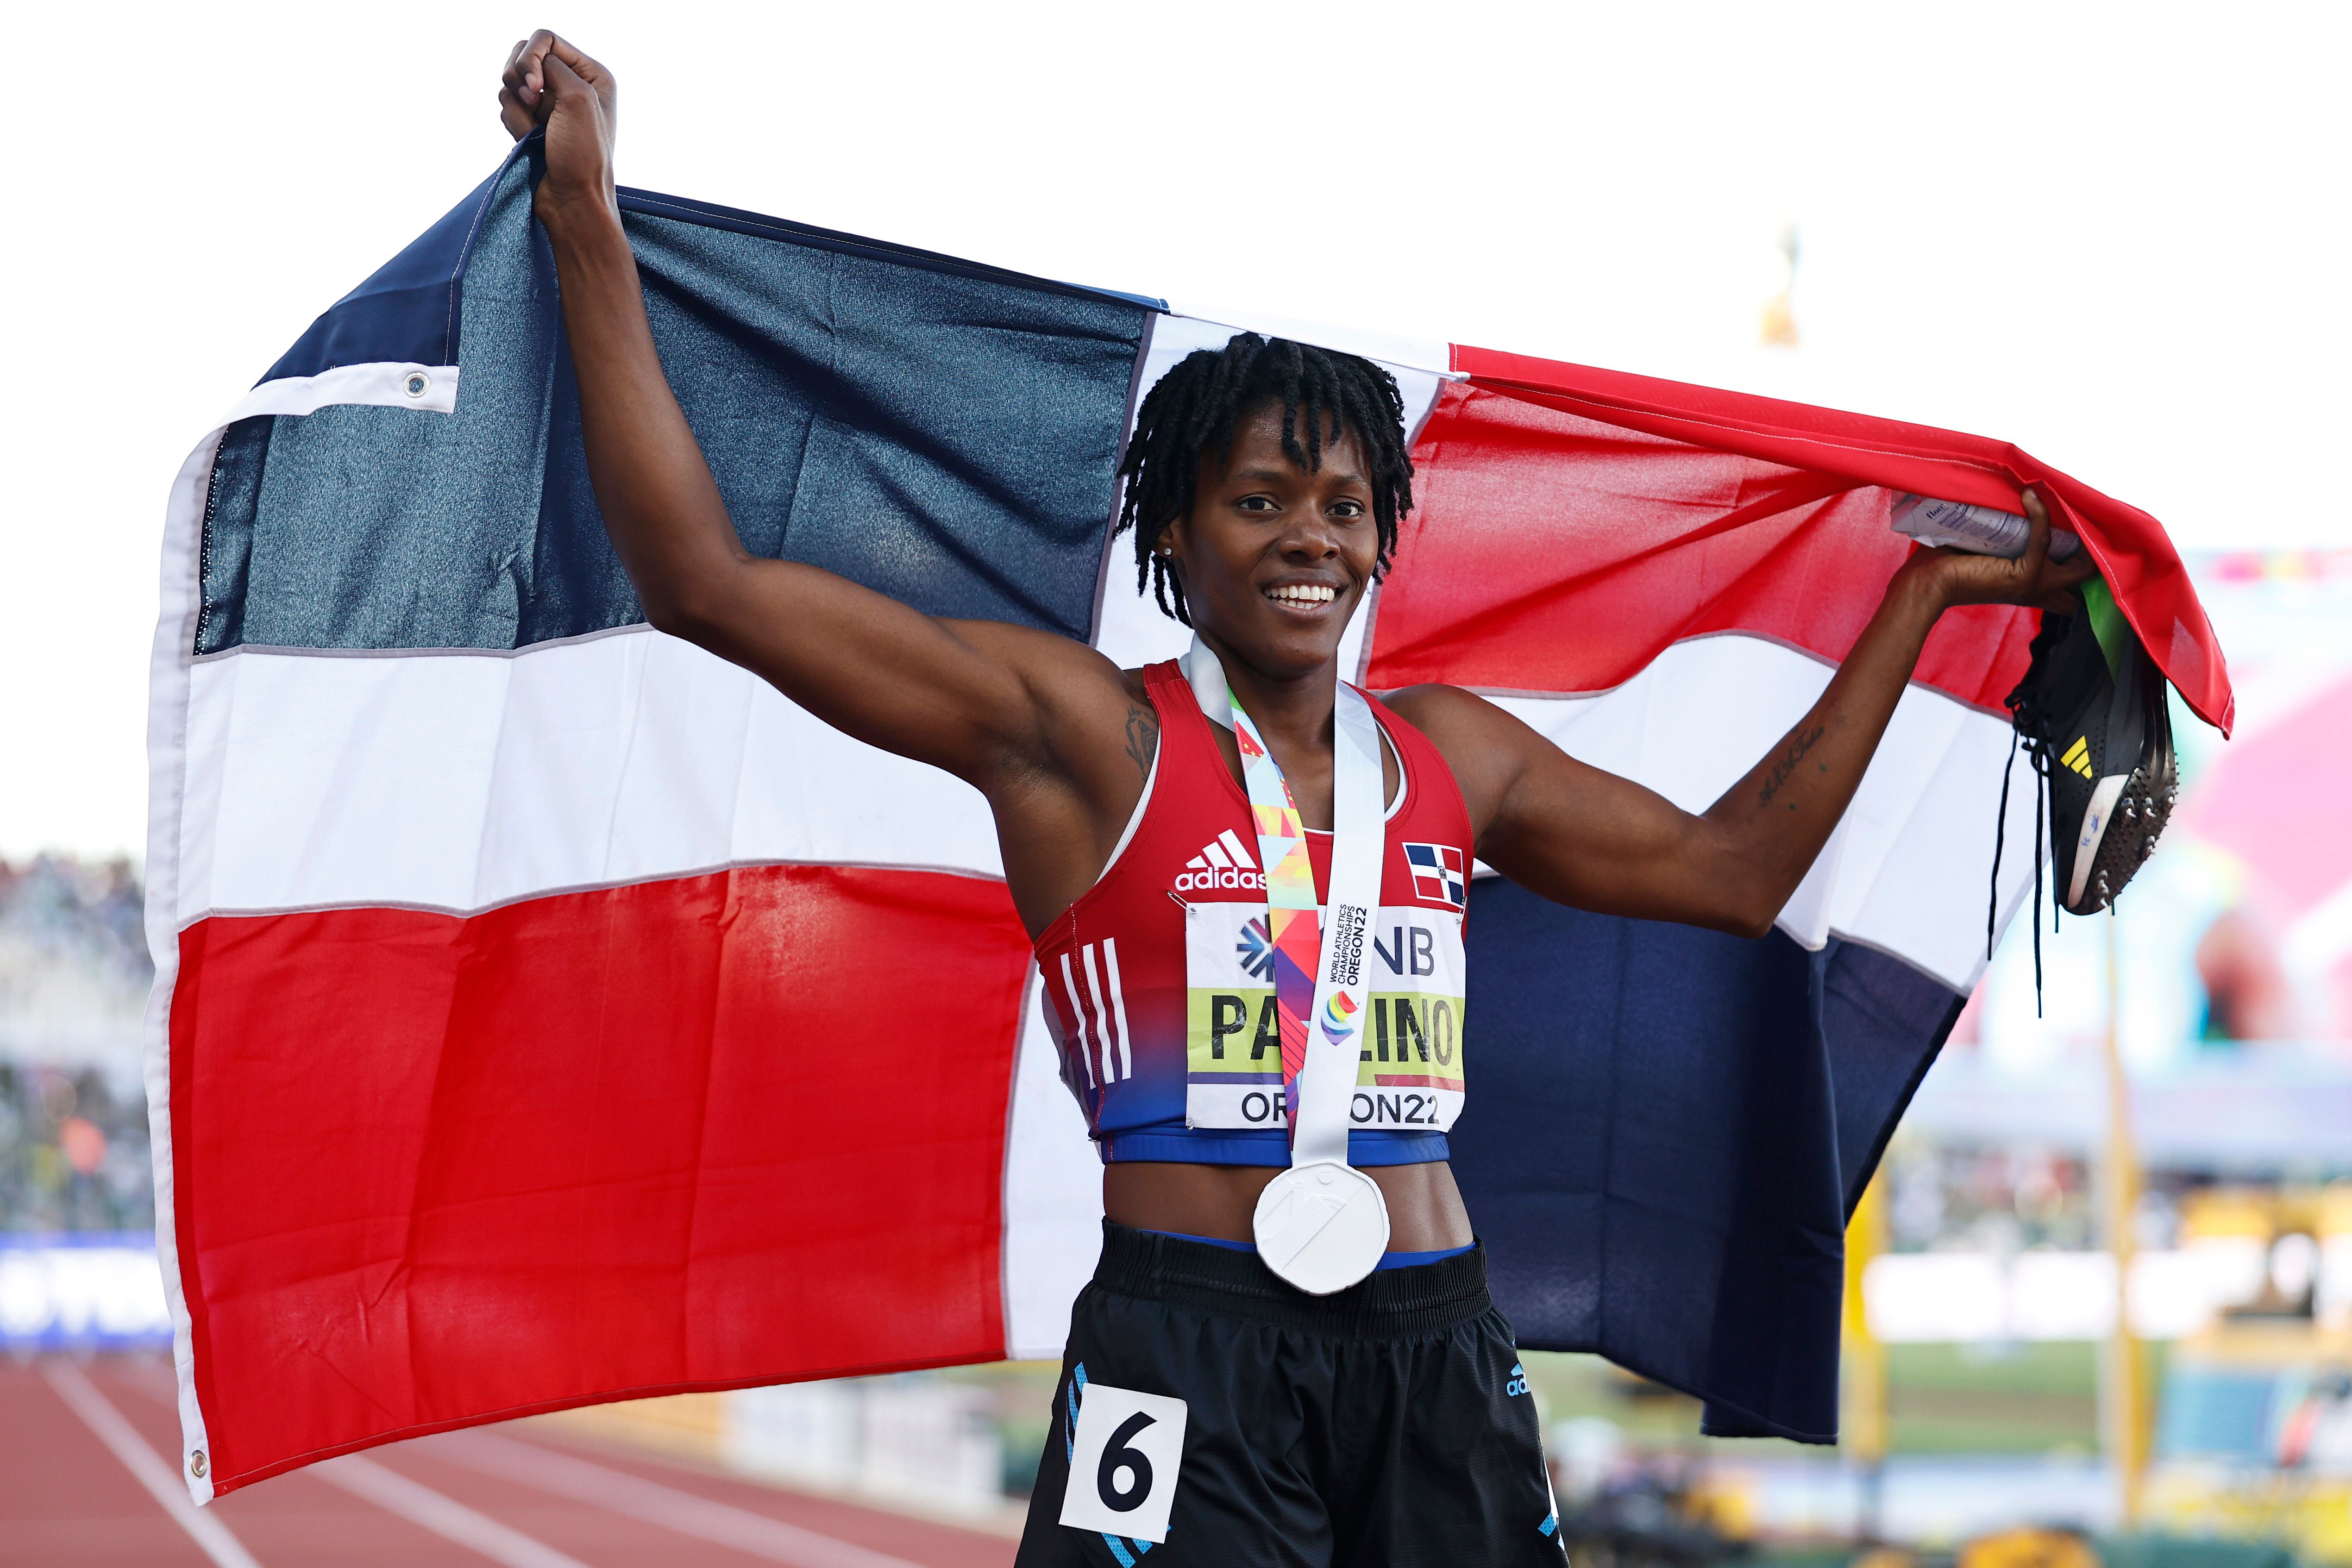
(548, 82)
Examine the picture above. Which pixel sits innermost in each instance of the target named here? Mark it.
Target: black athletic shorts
(1389, 1423)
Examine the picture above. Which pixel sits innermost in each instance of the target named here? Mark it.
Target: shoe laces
(2030, 724)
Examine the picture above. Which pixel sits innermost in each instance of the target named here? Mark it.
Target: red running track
(75, 1438)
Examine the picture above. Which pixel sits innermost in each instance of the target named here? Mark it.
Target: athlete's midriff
(1425, 1212)
(1158, 985)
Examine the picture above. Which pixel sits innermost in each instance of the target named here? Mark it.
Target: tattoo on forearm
(1785, 768)
(1142, 737)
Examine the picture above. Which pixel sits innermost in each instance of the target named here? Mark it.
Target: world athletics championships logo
(1339, 1018)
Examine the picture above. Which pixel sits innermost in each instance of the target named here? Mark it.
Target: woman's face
(1273, 559)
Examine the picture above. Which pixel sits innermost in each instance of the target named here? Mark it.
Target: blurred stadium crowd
(74, 976)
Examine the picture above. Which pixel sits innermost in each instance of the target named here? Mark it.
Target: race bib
(1124, 1451)
(1409, 1076)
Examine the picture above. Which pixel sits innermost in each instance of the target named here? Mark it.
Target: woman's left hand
(1958, 577)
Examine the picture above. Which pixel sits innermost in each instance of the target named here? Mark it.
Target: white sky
(2115, 236)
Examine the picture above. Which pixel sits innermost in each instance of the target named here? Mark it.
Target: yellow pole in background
(1863, 1432)
(2124, 1382)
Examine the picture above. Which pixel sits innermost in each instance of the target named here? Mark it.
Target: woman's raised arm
(979, 698)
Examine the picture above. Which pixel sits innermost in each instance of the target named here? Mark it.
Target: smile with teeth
(1303, 595)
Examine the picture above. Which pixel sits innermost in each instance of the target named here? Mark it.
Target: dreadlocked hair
(1193, 412)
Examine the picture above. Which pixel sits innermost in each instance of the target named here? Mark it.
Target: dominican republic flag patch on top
(1438, 873)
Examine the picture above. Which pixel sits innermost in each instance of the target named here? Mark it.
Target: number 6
(1117, 1455)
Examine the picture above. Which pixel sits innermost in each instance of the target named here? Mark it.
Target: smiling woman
(1243, 881)
(1241, 1053)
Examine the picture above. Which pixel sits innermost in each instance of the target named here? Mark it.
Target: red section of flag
(1574, 523)
(724, 1130)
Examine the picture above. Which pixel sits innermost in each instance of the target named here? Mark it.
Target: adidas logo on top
(1221, 864)
(2078, 756)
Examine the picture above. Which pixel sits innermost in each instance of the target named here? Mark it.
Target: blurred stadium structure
(76, 1195)
(1984, 1286)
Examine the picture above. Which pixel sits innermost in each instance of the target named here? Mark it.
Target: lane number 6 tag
(1123, 1462)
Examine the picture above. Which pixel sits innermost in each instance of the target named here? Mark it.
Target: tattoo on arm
(1786, 767)
(1142, 737)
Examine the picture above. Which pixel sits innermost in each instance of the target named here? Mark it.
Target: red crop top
(1161, 982)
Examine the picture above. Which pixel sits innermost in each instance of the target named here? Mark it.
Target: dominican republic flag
(547, 1012)
(1438, 873)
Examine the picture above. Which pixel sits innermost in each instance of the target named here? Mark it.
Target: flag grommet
(416, 384)
(198, 1464)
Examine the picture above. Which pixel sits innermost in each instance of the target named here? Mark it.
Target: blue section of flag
(710, 215)
(1668, 1130)
(945, 433)
(407, 311)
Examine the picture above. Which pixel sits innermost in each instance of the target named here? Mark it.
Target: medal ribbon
(1294, 918)
(1322, 984)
